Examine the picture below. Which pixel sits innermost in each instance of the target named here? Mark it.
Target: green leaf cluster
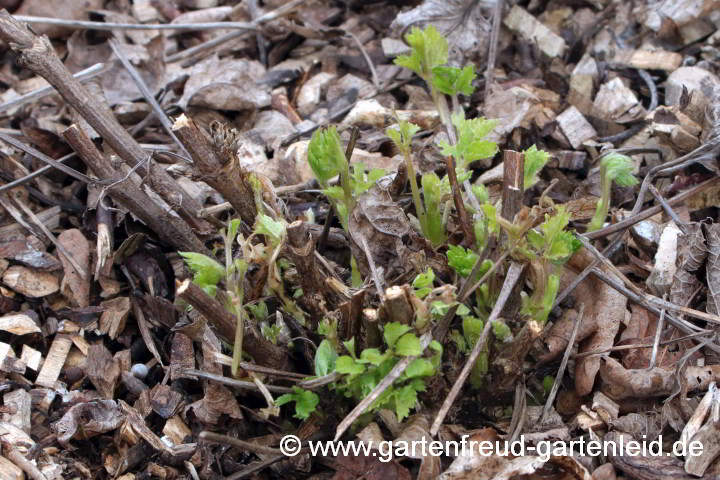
(613, 168)
(548, 246)
(402, 134)
(429, 49)
(471, 143)
(305, 402)
(453, 81)
(365, 371)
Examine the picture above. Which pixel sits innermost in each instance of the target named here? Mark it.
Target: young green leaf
(325, 358)
(423, 283)
(429, 49)
(405, 400)
(206, 271)
(305, 402)
(419, 367)
(275, 229)
(408, 345)
(325, 154)
(535, 160)
(393, 331)
(453, 81)
(470, 144)
(461, 260)
(619, 169)
(500, 330)
(348, 365)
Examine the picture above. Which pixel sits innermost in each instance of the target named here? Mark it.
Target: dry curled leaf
(619, 382)
(604, 310)
(88, 419)
(463, 22)
(380, 224)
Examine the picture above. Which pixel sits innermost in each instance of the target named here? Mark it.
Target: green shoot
(613, 168)
(435, 191)
(305, 402)
(461, 260)
(327, 159)
(535, 160)
(429, 50)
(402, 137)
(552, 245)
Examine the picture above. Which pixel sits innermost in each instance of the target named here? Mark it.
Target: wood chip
(112, 321)
(18, 324)
(54, 361)
(575, 127)
(529, 28)
(102, 370)
(648, 59)
(30, 283)
(31, 357)
(19, 401)
(176, 429)
(9, 471)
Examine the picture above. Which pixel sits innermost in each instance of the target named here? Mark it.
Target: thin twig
(648, 299)
(492, 53)
(393, 375)
(563, 364)
(51, 237)
(224, 39)
(35, 174)
(373, 268)
(232, 382)
(371, 66)
(649, 345)
(658, 334)
(668, 209)
(149, 97)
(223, 359)
(255, 468)
(85, 24)
(519, 409)
(236, 442)
(87, 74)
(514, 274)
(45, 159)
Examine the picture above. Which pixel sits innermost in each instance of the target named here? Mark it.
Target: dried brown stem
(513, 184)
(223, 174)
(264, 352)
(37, 54)
(300, 249)
(168, 227)
(233, 382)
(463, 217)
